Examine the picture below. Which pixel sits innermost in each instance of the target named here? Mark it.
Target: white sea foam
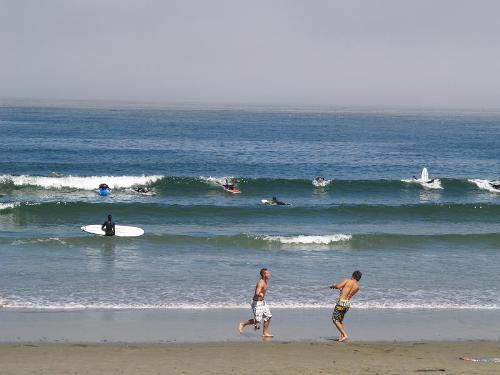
(485, 184)
(216, 180)
(39, 240)
(6, 206)
(78, 182)
(321, 183)
(435, 184)
(424, 305)
(313, 240)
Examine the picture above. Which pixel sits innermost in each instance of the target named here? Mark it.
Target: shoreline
(220, 326)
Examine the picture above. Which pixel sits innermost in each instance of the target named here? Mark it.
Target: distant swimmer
(109, 227)
(104, 187)
(143, 189)
(319, 179)
(261, 312)
(348, 288)
(495, 185)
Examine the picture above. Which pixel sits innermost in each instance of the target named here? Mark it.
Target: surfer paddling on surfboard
(104, 189)
(230, 187)
(109, 227)
(143, 190)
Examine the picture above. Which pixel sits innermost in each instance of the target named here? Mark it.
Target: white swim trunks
(261, 311)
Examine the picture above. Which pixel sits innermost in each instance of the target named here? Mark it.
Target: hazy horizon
(384, 54)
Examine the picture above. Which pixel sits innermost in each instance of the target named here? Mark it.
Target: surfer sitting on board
(109, 227)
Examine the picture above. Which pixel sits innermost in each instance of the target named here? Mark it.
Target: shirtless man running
(348, 288)
(260, 309)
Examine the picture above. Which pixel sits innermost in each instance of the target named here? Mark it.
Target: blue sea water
(418, 246)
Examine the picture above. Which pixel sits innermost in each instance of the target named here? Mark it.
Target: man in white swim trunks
(260, 309)
(348, 288)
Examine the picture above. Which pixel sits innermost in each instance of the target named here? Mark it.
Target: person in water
(229, 185)
(276, 201)
(143, 189)
(109, 227)
(261, 312)
(495, 185)
(104, 186)
(348, 288)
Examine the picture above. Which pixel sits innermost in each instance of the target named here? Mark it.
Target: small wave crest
(74, 306)
(486, 185)
(40, 240)
(216, 180)
(312, 240)
(79, 182)
(7, 206)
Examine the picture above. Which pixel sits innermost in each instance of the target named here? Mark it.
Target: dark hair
(109, 217)
(357, 275)
(262, 270)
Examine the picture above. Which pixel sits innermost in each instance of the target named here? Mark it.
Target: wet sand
(248, 358)
(198, 326)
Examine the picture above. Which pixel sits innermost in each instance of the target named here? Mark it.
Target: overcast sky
(333, 53)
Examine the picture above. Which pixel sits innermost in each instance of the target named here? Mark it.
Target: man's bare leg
(340, 327)
(265, 330)
(242, 325)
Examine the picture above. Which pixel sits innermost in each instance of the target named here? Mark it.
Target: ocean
(418, 247)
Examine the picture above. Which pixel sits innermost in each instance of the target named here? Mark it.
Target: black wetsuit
(279, 203)
(109, 228)
(495, 186)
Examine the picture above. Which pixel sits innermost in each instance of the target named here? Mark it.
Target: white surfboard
(425, 181)
(424, 177)
(120, 230)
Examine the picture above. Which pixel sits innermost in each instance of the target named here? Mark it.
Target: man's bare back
(348, 288)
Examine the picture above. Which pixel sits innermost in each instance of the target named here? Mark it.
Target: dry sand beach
(207, 342)
(248, 358)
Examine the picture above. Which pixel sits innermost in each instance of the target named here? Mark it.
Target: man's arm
(339, 286)
(102, 226)
(113, 229)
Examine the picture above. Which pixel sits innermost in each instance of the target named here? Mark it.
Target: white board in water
(424, 177)
(120, 230)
